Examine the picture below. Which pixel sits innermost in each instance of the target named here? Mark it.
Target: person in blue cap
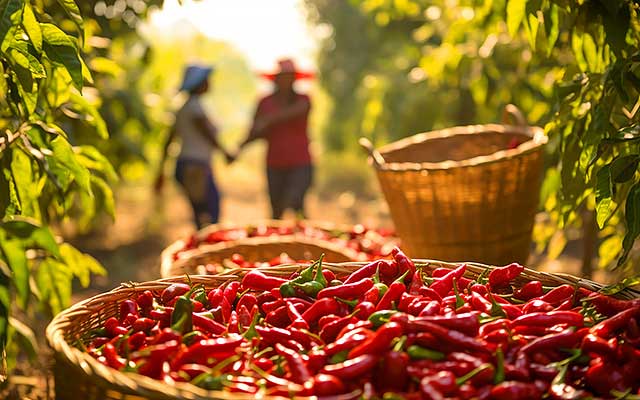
(198, 135)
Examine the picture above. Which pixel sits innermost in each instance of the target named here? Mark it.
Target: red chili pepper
(202, 350)
(321, 307)
(113, 328)
(208, 325)
(347, 290)
(478, 288)
(297, 368)
(499, 277)
(467, 323)
(327, 385)
(430, 293)
(364, 310)
(603, 378)
(233, 325)
(565, 339)
(257, 280)
(444, 285)
(404, 263)
(536, 305)
(393, 294)
(550, 318)
(157, 355)
(173, 291)
(393, 374)
(128, 307)
(432, 308)
(501, 323)
(302, 336)
(231, 291)
(323, 321)
(363, 272)
(608, 305)
(328, 275)
(558, 295)
(278, 317)
(112, 357)
(594, 344)
(248, 300)
(452, 337)
(166, 335)
(372, 295)
(388, 270)
(366, 325)
(416, 283)
(608, 326)
(529, 290)
(215, 297)
(143, 324)
(352, 368)
(405, 301)
(380, 341)
(479, 303)
(145, 300)
(136, 340)
(273, 335)
(330, 331)
(272, 306)
(294, 315)
(346, 343)
(512, 311)
(510, 390)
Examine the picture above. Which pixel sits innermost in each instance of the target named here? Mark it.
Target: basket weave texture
(80, 376)
(462, 193)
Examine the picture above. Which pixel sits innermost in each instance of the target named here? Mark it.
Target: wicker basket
(80, 376)
(461, 193)
(255, 249)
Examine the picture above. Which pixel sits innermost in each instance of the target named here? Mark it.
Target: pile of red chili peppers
(388, 330)
(370, 244)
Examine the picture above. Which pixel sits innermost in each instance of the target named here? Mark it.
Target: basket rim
(536, 135)
(168, 264)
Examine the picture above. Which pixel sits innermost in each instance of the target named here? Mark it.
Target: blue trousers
(201, 190)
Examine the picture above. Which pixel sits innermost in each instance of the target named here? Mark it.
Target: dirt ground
(146, 223)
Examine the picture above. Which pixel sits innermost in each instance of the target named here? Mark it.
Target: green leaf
(632, 220)
(94, 117)
(624, 168)
(80, 264)
(31, 26)
(590, 51)
(61, 50)
(9, 20)
(619, 287)
(609, 250)
(604, 189)
(515, 15)
(96, 161)
(15, 255)
(65, 155)
(104, 196)
(71, 8)
(552, 27)
(53, 279)
(32, 234)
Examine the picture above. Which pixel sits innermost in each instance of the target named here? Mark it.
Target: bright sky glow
(262, 30)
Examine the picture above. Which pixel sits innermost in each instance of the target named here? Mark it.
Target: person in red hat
(281, 119)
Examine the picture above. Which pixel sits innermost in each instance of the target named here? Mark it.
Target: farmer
(199, 139)
(281, 119)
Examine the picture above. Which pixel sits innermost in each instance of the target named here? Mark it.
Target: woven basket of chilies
(438, 330)
(266, 241)
(466, 192)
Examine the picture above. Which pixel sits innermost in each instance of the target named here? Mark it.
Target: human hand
(230, 157)
(158, 184)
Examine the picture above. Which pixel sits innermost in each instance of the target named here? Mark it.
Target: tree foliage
(571, 65)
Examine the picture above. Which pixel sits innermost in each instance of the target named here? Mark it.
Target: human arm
(210, 132)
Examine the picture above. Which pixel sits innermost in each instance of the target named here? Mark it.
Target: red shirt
(288, 141)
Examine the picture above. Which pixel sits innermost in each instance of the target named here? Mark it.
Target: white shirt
(195, 145)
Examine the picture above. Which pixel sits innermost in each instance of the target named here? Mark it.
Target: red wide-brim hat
(287, 66)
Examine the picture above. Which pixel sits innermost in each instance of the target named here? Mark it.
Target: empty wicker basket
(464, 193)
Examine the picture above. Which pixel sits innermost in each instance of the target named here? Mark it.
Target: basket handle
(512, 113)
(375, 154)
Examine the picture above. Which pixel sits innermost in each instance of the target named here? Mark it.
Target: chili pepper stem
(464, 378)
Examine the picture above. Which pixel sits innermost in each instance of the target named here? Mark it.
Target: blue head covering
(194, 75)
